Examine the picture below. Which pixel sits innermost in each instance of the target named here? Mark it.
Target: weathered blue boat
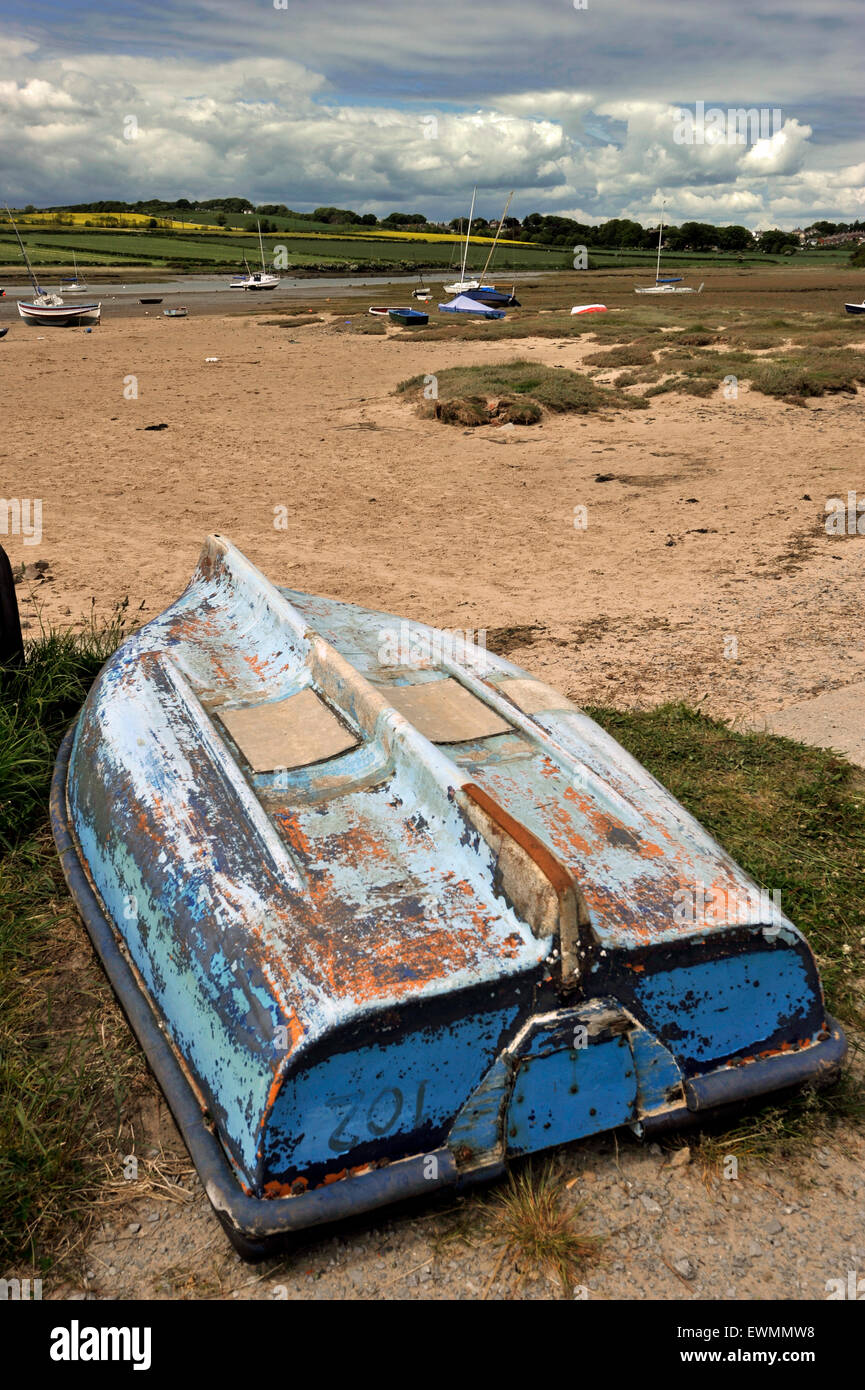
(384, 910)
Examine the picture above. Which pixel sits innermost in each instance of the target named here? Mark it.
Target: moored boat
(72, 284)
(665, 284)
(179, 312)
(52, 309)
(493, 298)
(855, 308)
(385, 911)
(257, 279)
(45, 308)
(409, 318)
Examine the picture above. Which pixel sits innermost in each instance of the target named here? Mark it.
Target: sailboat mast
(497, 235)
(261, 249)
(468, 234)
(660, 234)
(33, 279)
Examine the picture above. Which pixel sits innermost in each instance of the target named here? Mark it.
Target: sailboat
(460, 286)
(240, 281)
(666, 284)
(488, 294)
(421, 291)
(46, 308)
(70, 284)
(255, 280)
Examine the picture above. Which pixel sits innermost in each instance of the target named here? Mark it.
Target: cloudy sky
(383, 104)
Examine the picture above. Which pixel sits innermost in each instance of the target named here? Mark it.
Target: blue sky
(397, 104)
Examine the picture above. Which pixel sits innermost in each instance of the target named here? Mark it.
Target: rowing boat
(409, 318)
(386, 911)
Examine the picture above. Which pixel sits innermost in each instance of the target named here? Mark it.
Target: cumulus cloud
(95, 124)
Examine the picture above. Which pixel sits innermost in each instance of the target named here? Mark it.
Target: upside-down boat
(385, 911)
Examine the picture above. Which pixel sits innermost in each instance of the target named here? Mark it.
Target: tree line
(537, 228)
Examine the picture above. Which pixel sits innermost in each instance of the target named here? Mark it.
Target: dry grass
(539, 1234)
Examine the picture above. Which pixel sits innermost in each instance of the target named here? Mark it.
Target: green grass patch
(815, 372)
(512, 391)
(67, 1060)
(683, 386)
(635, 354)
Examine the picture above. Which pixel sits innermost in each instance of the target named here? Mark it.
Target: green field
(191, 252)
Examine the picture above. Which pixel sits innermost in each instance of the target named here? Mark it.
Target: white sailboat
(666, 284)
(50, 308)
(255, 280)
(71, 284)
(461, 285)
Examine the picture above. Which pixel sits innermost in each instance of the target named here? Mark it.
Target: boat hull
(494, 299)
(422, 922)
(855, 308)
(65, 315)
(408, 318)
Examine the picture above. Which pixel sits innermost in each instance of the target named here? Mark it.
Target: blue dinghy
(384, 910)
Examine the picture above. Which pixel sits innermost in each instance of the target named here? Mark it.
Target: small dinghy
(409, 318)
(589, 309)
(179, 313)
(385, 911)
(855, 308)
(380, 310)
(151, 299)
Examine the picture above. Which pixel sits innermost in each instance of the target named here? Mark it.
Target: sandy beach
(703, 573)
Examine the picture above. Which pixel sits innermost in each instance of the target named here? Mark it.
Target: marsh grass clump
(636, 354)
(683, 386)
(512, 392)
(797, 375)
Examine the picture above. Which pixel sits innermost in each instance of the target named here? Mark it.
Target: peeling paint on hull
(391, 966)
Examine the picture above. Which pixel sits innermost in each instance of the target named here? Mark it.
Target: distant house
(841, 239)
